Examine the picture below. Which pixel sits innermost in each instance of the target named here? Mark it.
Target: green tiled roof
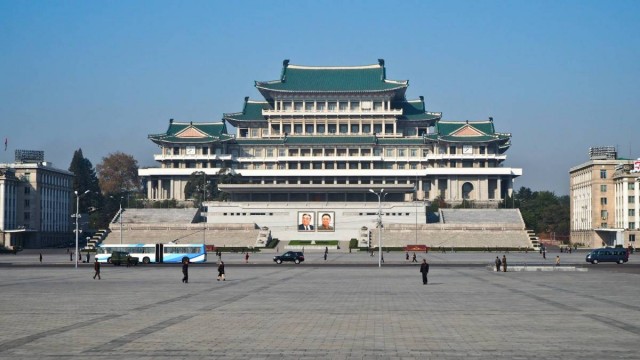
(450, 127)
(192, 133)
(296, 78)
(252, 111)
(414, 110)
(484, 132)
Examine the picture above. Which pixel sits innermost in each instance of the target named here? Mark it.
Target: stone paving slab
(310, 311)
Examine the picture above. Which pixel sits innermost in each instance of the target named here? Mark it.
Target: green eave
(401, 141)
(332, 79)
(252, 111)
(450, 127)
(414, 110)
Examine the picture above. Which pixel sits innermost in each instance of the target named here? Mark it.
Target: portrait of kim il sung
(305, 221)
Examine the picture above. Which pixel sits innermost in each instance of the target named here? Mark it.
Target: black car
(122, 257)
(295, 256)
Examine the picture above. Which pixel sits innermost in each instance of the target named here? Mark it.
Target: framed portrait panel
(326, 221)
(306, 221)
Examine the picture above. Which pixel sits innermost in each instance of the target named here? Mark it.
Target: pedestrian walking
(246, 258)
(498, 263)
(185, 271)
(96, 269)
(326, 249)
(406, 256)
(221, 271)
(88, 257)
(71, 256)
(424, 269)
(557, 260)
(414, 258)
(544, 253)
(325, 256)
(504, 263)
(40, 258)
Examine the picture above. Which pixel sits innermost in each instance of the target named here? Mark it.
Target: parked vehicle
(295, 256)
(122, 257)
(608, 254)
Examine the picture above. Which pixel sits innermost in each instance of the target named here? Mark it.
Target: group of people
(185, 271)
(502, 263)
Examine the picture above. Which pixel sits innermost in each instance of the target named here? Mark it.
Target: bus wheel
(146, 260)
(109, 260)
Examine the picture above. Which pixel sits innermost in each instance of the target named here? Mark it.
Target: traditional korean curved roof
(190, 133)
(251, 111)
(300, 79)
(470, 132)
(414, 110)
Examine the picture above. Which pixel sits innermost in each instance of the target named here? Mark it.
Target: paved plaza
(319, 310)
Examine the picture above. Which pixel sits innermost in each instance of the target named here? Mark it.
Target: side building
(35, 204)
(605, 198)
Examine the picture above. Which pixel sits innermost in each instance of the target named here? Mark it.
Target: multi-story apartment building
(330, 134)
(35, 205)
(604, 200)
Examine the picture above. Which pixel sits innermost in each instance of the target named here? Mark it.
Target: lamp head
(370, 190)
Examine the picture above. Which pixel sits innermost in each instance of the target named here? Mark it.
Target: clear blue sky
(561, 76)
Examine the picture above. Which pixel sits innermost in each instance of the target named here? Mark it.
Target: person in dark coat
(424, 269)
(504, 263)
(96, 268)
(414, 258)
(185, 272)
(40, 257)
(498, 263)
(221, 271)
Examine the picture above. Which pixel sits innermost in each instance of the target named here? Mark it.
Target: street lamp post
(379, 195)
(77, 217)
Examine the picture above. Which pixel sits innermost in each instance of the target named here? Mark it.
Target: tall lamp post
(379, 195)
(204, 197)
(77, 217)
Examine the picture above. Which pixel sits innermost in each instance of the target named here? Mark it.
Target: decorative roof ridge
(346, 67)
(465, 122)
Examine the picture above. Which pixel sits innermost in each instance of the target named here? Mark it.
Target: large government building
(338, 141)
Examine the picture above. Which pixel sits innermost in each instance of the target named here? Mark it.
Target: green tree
(85, 179)
(543, 211)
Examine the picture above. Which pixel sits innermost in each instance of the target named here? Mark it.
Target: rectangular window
(27, 202)
(343, 128)
(632, 237)
(320, 106)
(297, 128)
(332, 128)
(309, 129)
(632, 226)
(355, 128)
(366, 129)
(402, 152)
(269, 152)
(377, 152)
(282, 152)
(258, 153)
(632, 212)
(603, 225)
(453, 164)
(389, 152)
(413, 153)
(377, 106)
(27, 190)
(632, 199)
(297, 106)
(377, 128)
(452, 150)
(308, 106)
(320, 128)
(286, 106)
(287, 128)
(332, 106)
(630, 186)
(27, 216)
(603, 174)
(355, 106)
(604, 214)
(481, 150)
(603, 201)
(603, 188)
(343, 105)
